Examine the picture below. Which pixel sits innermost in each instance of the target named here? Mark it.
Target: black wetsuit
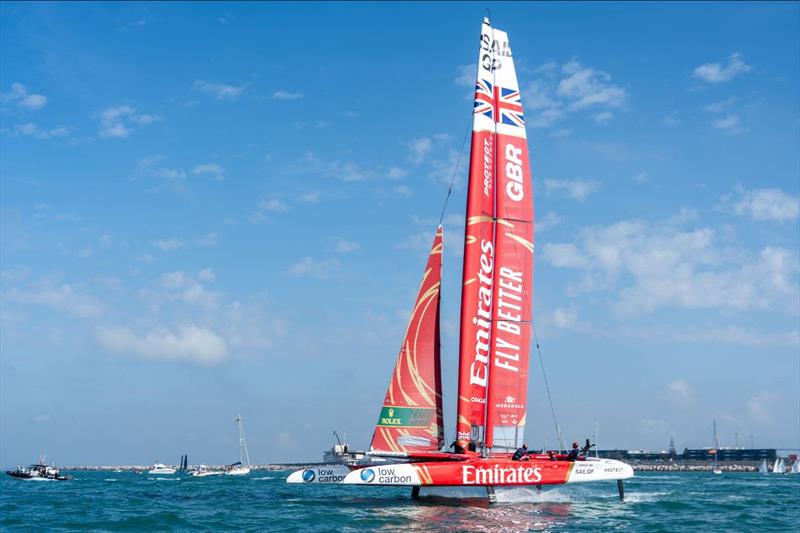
(519, 454)
(573, 455)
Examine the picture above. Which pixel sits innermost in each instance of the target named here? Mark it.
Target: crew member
(574, 452)
(521, 453)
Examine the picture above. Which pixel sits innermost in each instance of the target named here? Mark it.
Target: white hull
(319, 474)
(238, 471)
(161, 471)
(207, 473)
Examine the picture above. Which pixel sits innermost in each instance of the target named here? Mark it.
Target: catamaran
(242, 467)
(495, 334)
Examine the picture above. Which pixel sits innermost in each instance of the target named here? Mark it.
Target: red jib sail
(479, 254)
(411, 418)
(513, 268)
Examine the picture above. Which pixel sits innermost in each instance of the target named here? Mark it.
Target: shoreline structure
(640, 466)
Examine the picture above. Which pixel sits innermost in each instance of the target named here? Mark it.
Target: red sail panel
(513, 273)
(411, 418)
(479, 253)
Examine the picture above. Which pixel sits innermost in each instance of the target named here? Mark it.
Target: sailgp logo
(367, 475)
(308, 476)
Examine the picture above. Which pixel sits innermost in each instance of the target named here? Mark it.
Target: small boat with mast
(242, 466)
(495, 329)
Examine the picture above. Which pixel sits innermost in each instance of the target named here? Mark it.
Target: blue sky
(213, 208)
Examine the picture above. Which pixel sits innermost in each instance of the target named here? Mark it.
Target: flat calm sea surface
(262, 501)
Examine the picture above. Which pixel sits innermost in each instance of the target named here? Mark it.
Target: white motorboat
(161, 469)
(204, 471)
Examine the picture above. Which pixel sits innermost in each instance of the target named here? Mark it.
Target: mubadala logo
(308, 476)
(367, 475)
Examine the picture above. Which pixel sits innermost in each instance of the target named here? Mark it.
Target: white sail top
(496, 74)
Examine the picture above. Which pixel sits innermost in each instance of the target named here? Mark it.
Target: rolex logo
(391, 412)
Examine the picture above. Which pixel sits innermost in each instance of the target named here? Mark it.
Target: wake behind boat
(495, 328)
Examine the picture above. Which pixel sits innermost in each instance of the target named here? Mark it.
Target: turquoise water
(105, 501)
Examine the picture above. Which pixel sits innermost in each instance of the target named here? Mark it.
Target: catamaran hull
(320, 474)
(490, 473)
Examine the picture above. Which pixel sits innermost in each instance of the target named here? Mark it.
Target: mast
(244, 457)
(512, 296)
(478, 267)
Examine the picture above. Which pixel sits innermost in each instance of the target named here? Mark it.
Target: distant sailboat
(242, 467)
(763, 468)
(779, 467)
(795, 467)
(715, 451)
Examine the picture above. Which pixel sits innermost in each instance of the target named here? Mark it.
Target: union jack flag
(499, 104)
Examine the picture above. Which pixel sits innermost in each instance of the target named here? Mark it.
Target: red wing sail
(513, 272)
(411, 418)
(477, 278)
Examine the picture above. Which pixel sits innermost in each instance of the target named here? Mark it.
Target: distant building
(724, 454)
(730, 454)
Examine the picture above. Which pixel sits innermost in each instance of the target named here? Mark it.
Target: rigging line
(455, 170)
(547, 388)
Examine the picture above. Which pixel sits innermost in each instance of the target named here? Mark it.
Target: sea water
(262, 501)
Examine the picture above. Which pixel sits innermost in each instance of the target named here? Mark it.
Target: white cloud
(576, 189)
(603, 117)
(587, 87)
(672, 119)
(19, 94)
(184, 287)
(717, 73)
(212, 169)
(273, 205)
(31, 129)
(550, 220)
(310, 197)
(679, 393)
(287, 95)
(560, 134)
(402, 190)
(416, 241)
(719, 107)
(714, 334)
(760, 406)
(117, 122)
(347, 171)
(64, 297)
(345, 247)
(315, 268)
(189, 343)
(729, 125)
(765, 205)
(419, 149)
(465, 75)
(220, 91)
(569, 89)
(168, 245)
(209, 239)
(396, 173)
(663, 265)
(641, 177)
